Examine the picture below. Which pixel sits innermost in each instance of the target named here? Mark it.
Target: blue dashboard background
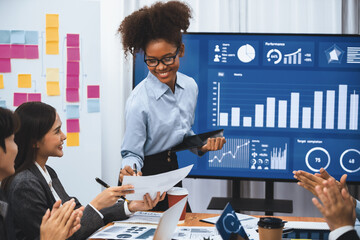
(238, 73)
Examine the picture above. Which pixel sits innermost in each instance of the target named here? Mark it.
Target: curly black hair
(159, 21)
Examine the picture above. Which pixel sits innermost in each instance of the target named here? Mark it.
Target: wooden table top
(193, 219)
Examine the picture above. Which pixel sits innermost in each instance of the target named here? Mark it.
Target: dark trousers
(160, 163)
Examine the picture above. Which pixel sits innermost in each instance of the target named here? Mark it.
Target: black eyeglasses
(153, 62)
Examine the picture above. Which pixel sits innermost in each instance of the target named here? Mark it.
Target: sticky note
(24, 81)
(31, 37)
(72, 125)
(72, 94)
(93, 91)
(72, 111)
(2, 103)
(72, 81)
(17, 37)
(93, 105)
(34, 97)
(52, 74)
(73, 68)
(52, 34)
(72, 139)
(5, 36)
(17, 51)
(1, 81)
(52, 48)
(19, 98)
(73, 54)
(72, 40)
(31, 52)
(5, 51)
(5, 65)
(52, 88)
(52, 20)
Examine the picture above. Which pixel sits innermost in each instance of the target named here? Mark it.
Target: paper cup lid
(178, 191)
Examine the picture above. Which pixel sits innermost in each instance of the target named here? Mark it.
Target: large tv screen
(286, 102)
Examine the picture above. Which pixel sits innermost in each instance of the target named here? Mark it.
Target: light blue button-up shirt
(156, 118)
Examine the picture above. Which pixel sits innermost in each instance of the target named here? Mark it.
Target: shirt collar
(45, 174)
(160, 88)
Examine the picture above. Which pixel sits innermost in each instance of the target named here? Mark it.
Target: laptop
(169, 220)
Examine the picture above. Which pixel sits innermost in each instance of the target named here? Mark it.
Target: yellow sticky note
(24, 80)
(52, 20)
(52, 48)
(72, 139)
(52, 88)
(52, 34)
(52, 74)
(1, 81)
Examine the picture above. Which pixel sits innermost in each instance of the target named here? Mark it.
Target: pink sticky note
(73, 54)
(72, 40)
(72, 94)
(93, 91)
(5, 51)
(72, 81)
(17, 51)
(34, 97)
(73, 68)
(5, 65)
(19, 98)
(31, 52)
(72, 125)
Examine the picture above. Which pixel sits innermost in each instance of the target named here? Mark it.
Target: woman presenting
(160, 111)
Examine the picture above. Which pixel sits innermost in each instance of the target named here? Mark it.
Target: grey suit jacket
(30, 197)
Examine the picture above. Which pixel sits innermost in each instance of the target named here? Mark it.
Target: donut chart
(350, 160)
(317, 158)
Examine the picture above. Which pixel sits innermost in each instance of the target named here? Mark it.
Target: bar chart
(329, 107)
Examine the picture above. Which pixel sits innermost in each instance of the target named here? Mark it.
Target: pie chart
(246, 53)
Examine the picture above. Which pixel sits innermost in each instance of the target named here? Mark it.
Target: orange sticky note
(52, 88)
(52, 20)
(1, 81)
(72, 139)
(24, 80)
(52, 74)
(52, 48)
(52, 34)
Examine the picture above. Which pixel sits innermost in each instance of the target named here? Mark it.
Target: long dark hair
(36, 119)
(9, 124)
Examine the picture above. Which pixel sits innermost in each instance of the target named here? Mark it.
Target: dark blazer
(350, 235)
(6, 221)
(30, 197)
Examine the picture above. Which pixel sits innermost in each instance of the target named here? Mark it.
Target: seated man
(338, 205)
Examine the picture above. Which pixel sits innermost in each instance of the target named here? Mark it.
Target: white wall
(267, 16)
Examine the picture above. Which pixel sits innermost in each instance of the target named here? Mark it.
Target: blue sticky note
(93, 105)
(72, 112)
(31, 37)
(4, 36)
(2, 103)
(17, 37)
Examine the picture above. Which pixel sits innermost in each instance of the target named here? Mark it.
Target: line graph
(235, 154)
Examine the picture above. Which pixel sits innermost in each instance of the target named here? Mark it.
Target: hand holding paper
(155, 183)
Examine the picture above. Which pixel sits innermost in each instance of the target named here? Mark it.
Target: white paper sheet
(143, 217)
(155, 183)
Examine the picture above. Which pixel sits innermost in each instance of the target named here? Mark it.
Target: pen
(135, 169)
(104, 184)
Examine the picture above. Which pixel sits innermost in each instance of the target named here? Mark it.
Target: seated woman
(62, 222)
(35, 186)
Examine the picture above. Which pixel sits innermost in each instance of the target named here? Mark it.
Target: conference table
(193, 219)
